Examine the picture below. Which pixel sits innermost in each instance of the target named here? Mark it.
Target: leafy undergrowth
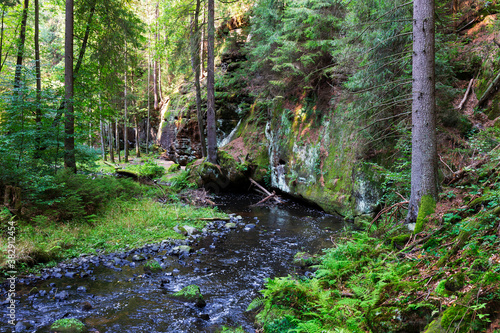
(446, 278)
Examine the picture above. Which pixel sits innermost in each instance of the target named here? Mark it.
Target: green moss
(68, 325)
(174, 168)
(191, 293)
(304, 259)
(455, 282)
(441, 289)
(456, 319)
(400, 241)
(427, 207)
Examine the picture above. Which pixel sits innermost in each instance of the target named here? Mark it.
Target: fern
(256, 303)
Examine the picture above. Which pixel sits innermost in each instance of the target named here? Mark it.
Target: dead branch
(462, 173)
(461, 105)
(265, 199)
(386, 210)
(269, 194)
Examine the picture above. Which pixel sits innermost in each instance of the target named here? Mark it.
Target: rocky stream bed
(229, 261)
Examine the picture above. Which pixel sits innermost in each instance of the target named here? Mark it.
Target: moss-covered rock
(455, 282)
(400, 240)
(456, 318)
(304, 259)
(398, 319)
(191, 293)
(68, 325)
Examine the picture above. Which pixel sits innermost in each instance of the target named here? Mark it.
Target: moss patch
(427, 207)
(68, 325)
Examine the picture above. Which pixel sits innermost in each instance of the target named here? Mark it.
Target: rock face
(179, 136)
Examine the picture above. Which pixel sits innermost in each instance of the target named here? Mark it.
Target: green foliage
(181, 181)
(68, 196)
(174, 168)
(68, 325)
(149, 169)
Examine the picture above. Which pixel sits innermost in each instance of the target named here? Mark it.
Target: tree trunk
(211, 134)
(69, 123)
(20, 48)
(137, 133)
(125, 134)
(195, 64)
(424, 151)
(117, 137)
(149, 101)
(2, 32)
(155, 61)
(81, 55)
(103, 140)
(38, 75)
(110, 142)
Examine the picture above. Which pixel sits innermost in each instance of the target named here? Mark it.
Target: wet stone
(137, 257)
(61, 296)
(70, 275)
(81, 289)
(57, 275)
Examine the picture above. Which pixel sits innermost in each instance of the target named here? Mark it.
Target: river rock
(81, 289)
(137, 257)
(182, 249)
(304, 259)
(190, 230)
(61, 296)
(192, 294)
(230, 225)
(86, 306)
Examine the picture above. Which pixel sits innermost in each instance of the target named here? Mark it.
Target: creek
(112, 292)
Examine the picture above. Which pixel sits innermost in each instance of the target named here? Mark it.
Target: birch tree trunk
(424, 150)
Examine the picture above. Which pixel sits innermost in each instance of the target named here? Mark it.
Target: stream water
(116, 295)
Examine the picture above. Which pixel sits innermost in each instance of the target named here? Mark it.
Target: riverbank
(228, 260)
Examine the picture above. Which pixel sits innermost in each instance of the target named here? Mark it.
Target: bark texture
(424, 153)
(211, 138)
(20, 47)
(69, 122)
(195, 64)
